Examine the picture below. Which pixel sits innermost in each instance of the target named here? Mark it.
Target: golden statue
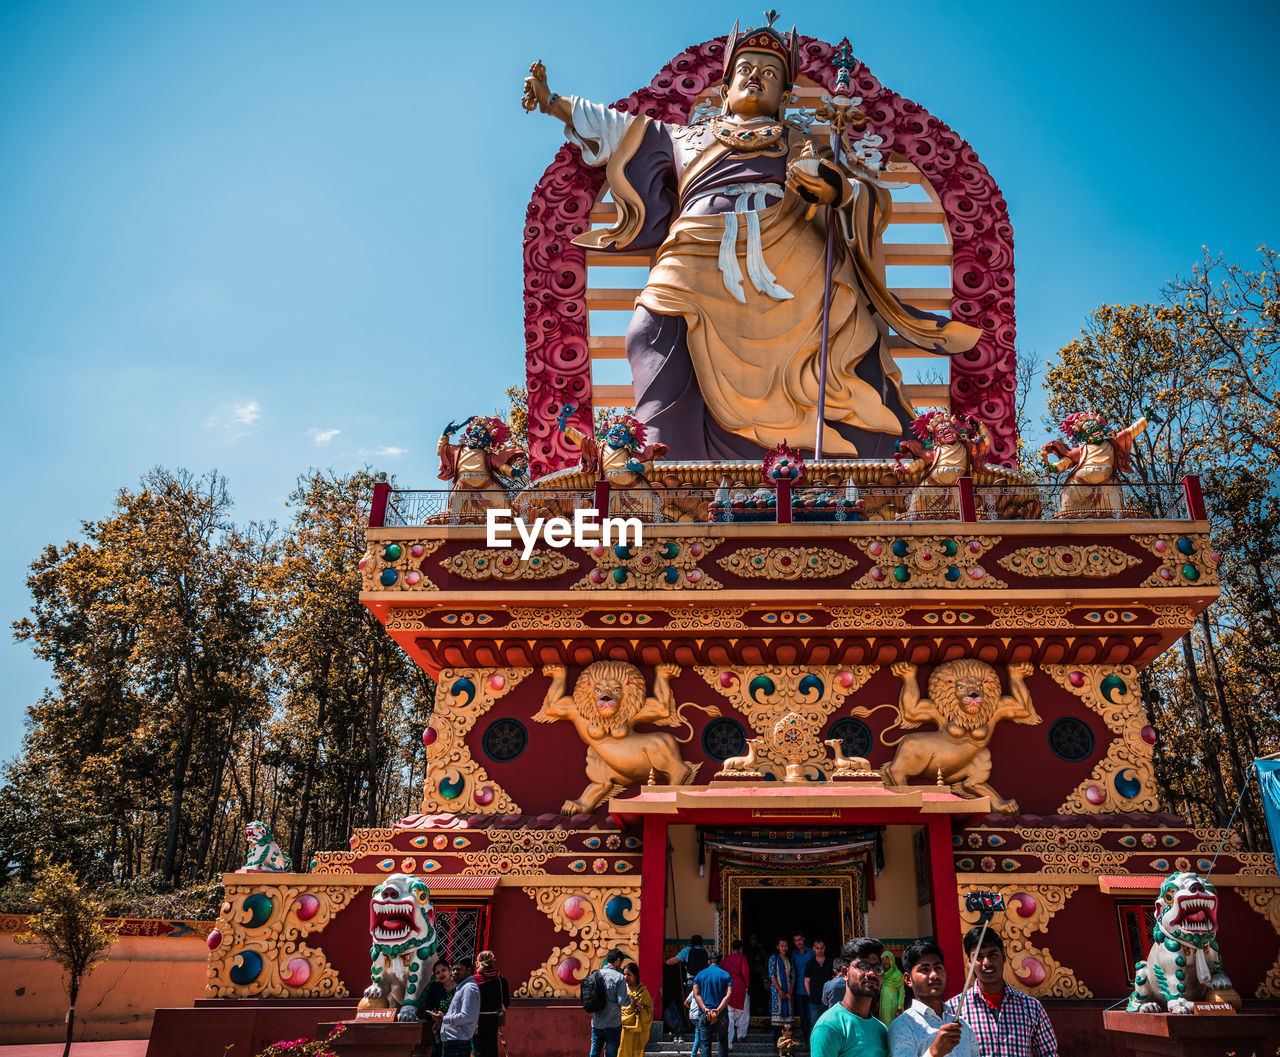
(608, 701)
(966, 702)
(724, 345)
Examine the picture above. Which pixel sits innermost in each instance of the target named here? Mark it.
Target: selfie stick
(985, 904)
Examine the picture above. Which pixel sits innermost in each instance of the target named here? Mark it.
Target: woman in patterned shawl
(782, 986)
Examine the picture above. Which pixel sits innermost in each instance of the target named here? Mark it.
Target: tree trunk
(169, 867)
(1222, 808)
(73, 992)
(1238, 773)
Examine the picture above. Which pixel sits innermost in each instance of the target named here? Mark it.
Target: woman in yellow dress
(637, 1014)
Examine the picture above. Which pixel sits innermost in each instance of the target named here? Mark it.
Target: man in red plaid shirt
(1007, 1022)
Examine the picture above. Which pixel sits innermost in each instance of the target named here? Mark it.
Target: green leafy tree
(68, 923)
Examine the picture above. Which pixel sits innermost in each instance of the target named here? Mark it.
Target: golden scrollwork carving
(401, 561)
(1173, 616)
(1185, 560)
(597, 918)
(546, 618)
(1070, 851)
(502, 862)
(607, 703)
(765, 693)
(786, 563)
(506, 564)
(927, 561)
(455, 780)
(1030, 908)
(1266, 901)
(333, 862)
(847, 618)
(1111, 690)
(1008, 616)
(1093, 562)
(372, 841)
(406, 619)
(656, 565)
(1250, 863)
(262, 954)
(725, 618)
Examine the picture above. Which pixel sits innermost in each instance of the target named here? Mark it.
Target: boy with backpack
(604, 993)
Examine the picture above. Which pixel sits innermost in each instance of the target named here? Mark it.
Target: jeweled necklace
(748, 137)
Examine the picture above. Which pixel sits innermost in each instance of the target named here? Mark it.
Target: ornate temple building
(825, 692)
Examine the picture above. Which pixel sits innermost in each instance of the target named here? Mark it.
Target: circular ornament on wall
(854, 735)
(1071, 739)
(504, 740)
(722, 738)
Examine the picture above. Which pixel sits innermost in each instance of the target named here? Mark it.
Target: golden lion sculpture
(608, 701)
(966, 702)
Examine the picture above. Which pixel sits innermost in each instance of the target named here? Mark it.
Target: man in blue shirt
(801, 956)
(711, 990)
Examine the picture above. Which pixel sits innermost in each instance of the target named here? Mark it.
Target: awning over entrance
(781, 800)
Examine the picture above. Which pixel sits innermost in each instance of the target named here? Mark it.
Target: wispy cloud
(236, 420)
(322, 437)
(391, 451)
(246, 414)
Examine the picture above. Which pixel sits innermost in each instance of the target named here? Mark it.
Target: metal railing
(786, 505)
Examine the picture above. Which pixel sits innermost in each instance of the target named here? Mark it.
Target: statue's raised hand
(536, 91)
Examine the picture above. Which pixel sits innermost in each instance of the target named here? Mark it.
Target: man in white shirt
(458, 1025)
(920, 1029)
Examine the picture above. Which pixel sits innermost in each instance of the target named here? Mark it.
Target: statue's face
(1093, 432)
(618, 436)
(757, 85)
(947, 434)
(476, 436)
(608, 697)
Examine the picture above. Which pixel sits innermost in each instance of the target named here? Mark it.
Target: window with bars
(461, 932)
(1136, 934)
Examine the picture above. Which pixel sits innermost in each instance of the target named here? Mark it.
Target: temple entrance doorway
(768, 913)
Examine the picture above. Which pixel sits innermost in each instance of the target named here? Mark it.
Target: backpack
(594, 994)
(698, 960)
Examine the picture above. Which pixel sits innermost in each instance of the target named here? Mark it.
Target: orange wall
(118, 998)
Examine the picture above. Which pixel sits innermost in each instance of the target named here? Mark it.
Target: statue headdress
(967, 429)
(765, 38)
(633, 426)
(1076, 424)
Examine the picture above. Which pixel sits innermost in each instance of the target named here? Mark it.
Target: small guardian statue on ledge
(949, 447)
(478, 466)
(619, 454)
(1096, 460)
(265, 855)
(1184, 966)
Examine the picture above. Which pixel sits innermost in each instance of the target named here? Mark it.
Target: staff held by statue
(839, 111)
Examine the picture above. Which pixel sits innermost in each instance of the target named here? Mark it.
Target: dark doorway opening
(768, 913)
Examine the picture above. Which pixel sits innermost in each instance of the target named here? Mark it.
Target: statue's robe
(722, 368)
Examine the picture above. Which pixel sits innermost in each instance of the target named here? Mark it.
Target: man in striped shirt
(1007, 1022)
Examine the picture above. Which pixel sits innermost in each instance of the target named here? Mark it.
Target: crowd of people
(846, 1006)
(860, 1004)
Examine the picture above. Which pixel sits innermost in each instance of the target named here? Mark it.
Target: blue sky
(261, 237)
